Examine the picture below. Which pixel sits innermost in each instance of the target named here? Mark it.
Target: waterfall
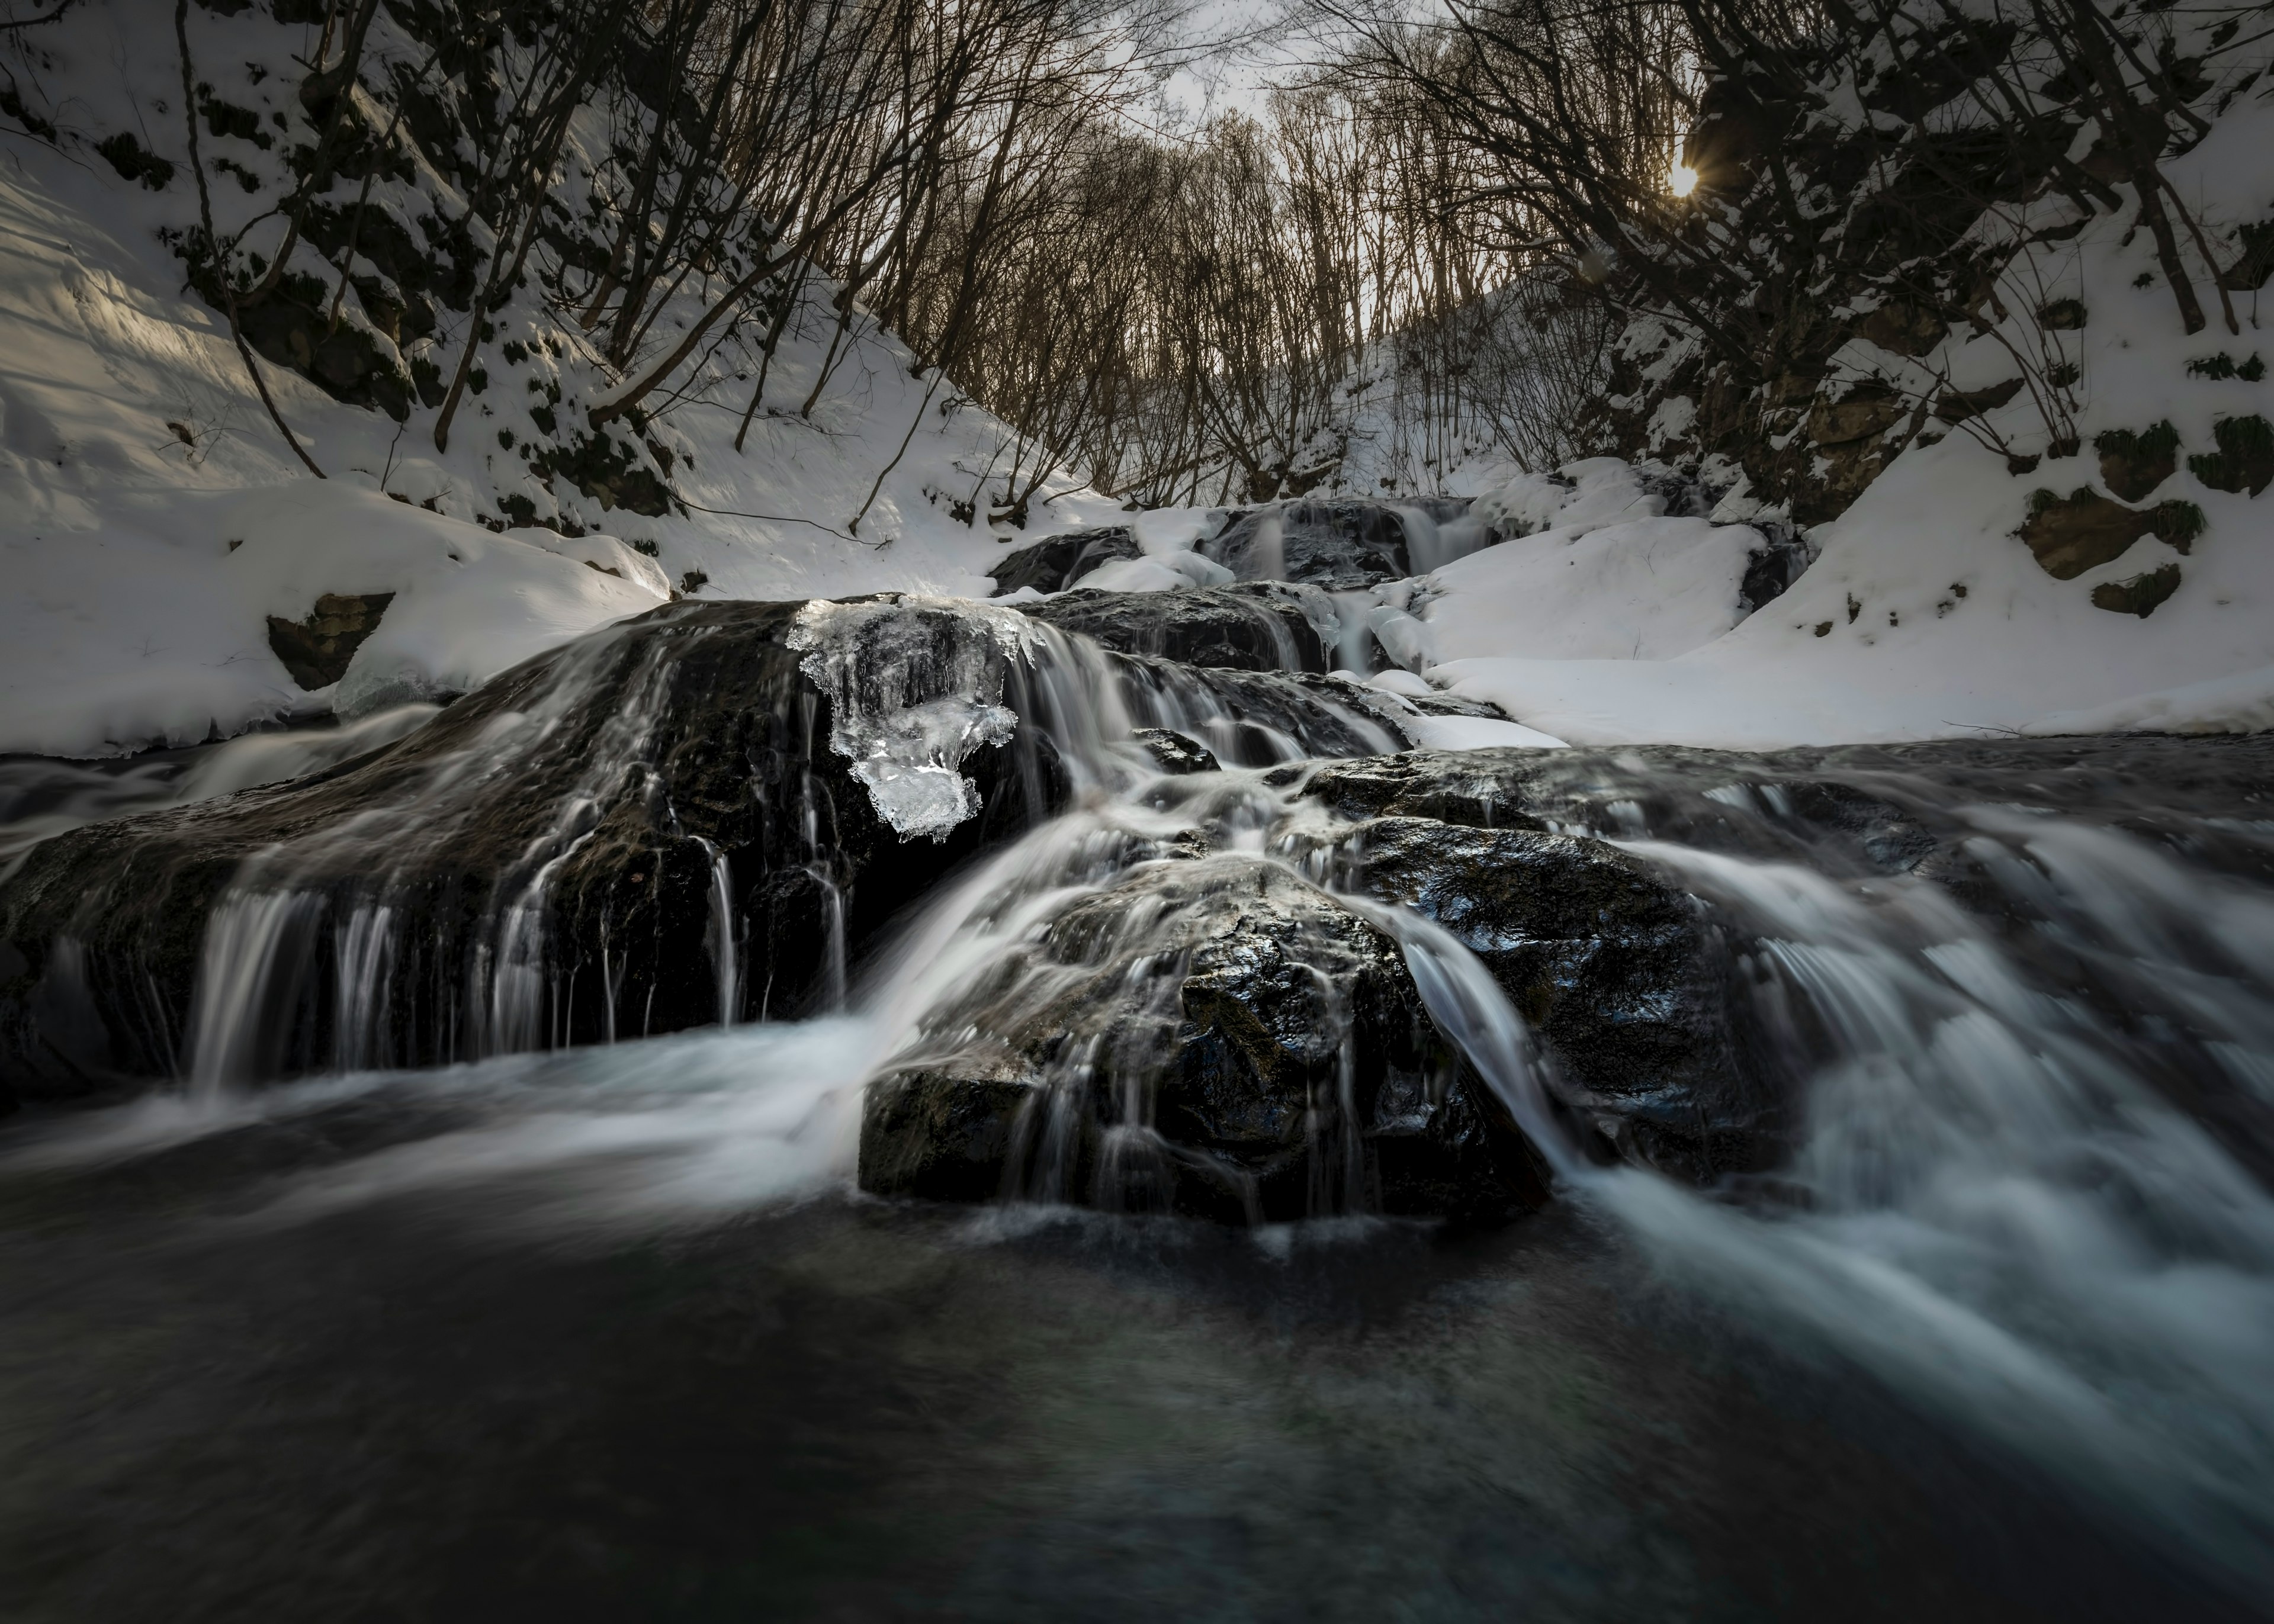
(2024, 1024)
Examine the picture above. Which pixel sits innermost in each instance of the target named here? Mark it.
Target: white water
(1992, 1207)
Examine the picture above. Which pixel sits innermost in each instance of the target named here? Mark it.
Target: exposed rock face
(2070, 535)
(1052, 564)
(1211, 1036)
(1250, 626)
(2133, 466)
(1957, 406)
(2244, 460)
(1339, 545)
(2140, 595)
(316, 651)
(618, 836)
(705, 811)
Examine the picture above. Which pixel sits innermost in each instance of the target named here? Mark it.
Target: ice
(915, 685)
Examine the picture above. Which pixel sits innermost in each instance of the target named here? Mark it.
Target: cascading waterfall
(2009, 1191)
(915, 688)
(1992, 1203)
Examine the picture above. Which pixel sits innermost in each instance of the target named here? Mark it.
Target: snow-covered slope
(1925, 616)
(152, 519)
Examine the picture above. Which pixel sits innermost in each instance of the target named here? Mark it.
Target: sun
(1681, 180)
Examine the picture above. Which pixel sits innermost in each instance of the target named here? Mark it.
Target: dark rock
(1175, 752)
(1338, 546)
(1250, 626)
(132, 161)
(1213, 1037)
(1904, 326)
(2244, 460)
(1616, 970)
(1866, 412)
(316, 651)
(537, 865)
(610, 472)
(2132, 465)
(2140, 595)
(2061, 315)
(1772, 567)
(1957, 406)
(292, 327)
(1261, 718)
(1055, 564)
(2070, 535)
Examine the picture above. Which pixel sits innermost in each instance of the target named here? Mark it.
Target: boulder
(1957, 406)
(2244, 460)
(2140, 595)
(1054, 563)
(1175, 752)
(1619, 972)
(699, 812)
(1866, 412)
(1213, 1036)
(2070, 535)
(316, 651)
(2133, 466)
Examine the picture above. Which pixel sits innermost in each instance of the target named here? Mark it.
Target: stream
(1895, 1241)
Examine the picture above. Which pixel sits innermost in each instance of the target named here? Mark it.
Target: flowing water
(604, 1332)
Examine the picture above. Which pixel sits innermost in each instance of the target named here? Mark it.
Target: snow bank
(1646, 589)
(154, 629)
(1923, 617)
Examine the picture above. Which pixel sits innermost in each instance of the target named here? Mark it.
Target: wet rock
(316, 651)
(1175, 752)
(1056, 563)
(1772, 567)
(1249, 626)
(1618, 971)
(1212, 1037)
(1261, 718)
(619, 836)
(1337, 546)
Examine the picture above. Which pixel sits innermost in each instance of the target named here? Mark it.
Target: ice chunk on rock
(915, 685)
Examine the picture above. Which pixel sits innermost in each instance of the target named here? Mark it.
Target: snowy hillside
(156, 530)
(152, 519)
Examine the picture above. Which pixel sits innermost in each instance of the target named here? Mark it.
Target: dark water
(604, 1333)
(493, 1389)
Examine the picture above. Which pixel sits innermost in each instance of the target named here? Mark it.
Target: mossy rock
(2069, 534)
(2132, 465)
(610, 472)
(2244, 460)
(2140, 595)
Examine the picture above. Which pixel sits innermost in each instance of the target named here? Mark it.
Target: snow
(133, 452)
(1648, 589)
(134, 448)
(1953, 630)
